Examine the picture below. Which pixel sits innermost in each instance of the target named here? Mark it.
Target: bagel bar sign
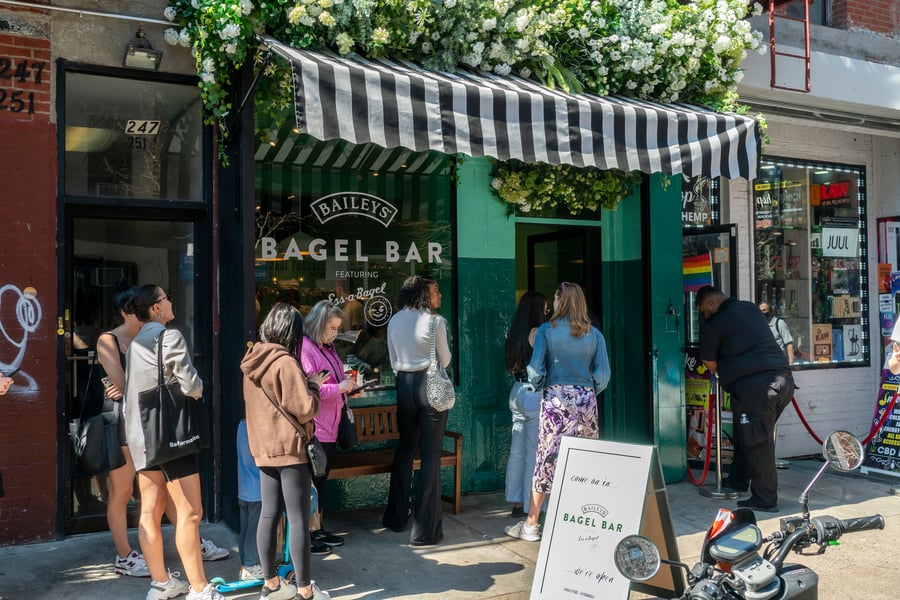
(352, 204)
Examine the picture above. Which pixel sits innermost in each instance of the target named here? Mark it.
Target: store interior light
(822, 172)
(139, 54)
(273, 137)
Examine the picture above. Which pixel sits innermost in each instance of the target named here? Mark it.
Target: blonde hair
(572, 305)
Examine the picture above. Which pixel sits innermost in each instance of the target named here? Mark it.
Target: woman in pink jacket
(320, 328)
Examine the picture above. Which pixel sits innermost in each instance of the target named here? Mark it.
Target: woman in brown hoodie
(272, 375)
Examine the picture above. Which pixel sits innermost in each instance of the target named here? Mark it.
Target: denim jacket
(560, 359)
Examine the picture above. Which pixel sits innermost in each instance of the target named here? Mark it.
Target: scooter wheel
(217, 581)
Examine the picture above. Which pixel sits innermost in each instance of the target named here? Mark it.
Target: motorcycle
(731, 565)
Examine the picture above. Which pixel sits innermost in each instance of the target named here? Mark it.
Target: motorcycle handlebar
(827, 528)
(821, 530)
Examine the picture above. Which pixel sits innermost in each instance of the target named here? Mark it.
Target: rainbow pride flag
(697, 271)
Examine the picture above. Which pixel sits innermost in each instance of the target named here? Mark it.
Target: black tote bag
(172, 422)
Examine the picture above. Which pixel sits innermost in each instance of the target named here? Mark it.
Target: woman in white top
(418, 423)
(178, 480)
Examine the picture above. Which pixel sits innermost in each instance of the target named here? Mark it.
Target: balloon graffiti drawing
(14, 332)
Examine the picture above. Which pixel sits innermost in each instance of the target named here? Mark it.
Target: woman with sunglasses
(177, 481)
(570, 362)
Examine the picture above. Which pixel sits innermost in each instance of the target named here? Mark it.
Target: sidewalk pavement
(476, 559)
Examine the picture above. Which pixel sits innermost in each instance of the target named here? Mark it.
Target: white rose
(246, 7)
(489, 24)
(170, 13)
(171, 36)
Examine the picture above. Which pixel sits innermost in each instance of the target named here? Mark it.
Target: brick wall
(28, 233)
(877, 16)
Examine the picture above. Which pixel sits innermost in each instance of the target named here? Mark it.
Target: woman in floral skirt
(571, 364)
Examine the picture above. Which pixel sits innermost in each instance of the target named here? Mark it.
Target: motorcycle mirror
(843, 450)
(637, 558)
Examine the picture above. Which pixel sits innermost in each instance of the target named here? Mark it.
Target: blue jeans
(524, 404)
(247, 536)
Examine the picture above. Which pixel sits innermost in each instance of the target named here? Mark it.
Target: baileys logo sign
(357, 204)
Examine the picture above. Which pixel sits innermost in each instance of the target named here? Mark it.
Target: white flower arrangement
(661, 50)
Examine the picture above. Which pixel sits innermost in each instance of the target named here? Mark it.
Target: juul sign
(840, 242)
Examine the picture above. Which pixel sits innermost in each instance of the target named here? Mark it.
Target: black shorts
(179, 468)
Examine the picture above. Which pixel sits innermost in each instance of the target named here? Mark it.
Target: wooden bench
(379, 423)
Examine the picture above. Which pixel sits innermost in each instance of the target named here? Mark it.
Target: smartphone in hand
(365, 385)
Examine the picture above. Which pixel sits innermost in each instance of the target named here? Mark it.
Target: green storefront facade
(630, 261)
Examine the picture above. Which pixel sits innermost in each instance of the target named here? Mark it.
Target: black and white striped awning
(398, 103)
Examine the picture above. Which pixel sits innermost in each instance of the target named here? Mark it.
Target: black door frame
(72, 207)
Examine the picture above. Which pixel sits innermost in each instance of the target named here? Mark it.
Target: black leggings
(285, 488)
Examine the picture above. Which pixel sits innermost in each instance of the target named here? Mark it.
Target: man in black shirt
(737, 345)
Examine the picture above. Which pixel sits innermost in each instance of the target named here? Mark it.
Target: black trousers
(422, 426)
(757, 401)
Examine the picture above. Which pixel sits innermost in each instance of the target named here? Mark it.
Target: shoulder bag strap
(284, 414)
(432, 345)
(159, 361)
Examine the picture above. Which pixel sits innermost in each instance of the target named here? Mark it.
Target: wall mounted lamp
(139, 54)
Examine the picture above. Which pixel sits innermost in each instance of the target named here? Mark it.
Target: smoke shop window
(810, 253)
(348, 224)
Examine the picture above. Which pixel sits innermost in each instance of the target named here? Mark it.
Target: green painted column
(626, 409)
(485, 303)
(667, 324)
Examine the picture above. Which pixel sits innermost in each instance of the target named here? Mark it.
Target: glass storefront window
(810, 250)
(347, 224)
(129, 138)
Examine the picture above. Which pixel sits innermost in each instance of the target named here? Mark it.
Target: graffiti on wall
(15, 328)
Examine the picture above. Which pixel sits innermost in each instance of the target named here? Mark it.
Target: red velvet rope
(872, 433)
(709, 426)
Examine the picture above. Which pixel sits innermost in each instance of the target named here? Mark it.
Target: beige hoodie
(273, 440)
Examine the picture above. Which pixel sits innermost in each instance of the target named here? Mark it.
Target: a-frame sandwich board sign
(603, 491)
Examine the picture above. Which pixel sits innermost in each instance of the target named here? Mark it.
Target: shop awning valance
(400, 103)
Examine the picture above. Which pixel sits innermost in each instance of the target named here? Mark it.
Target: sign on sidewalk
(602, 492)
(883, 452)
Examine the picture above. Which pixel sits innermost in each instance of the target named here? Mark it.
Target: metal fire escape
(774, 53)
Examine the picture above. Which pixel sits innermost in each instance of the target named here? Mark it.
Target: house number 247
(18, 100)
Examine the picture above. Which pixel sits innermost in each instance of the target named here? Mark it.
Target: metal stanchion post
(719, 493)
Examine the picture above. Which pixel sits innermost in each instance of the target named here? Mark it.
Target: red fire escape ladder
(774, 53)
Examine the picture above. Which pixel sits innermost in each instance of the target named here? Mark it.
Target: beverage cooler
(709, 257)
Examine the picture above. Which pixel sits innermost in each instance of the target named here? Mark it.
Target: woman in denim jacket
(571, 364)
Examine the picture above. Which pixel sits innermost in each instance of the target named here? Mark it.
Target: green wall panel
(483, 228)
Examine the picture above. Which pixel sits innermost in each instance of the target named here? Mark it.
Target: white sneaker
(132, 565)
(209, 551)
(317, 594)
(524, 531)
(253, 572)
(172, 588)
(285, 591)
(210, 592)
